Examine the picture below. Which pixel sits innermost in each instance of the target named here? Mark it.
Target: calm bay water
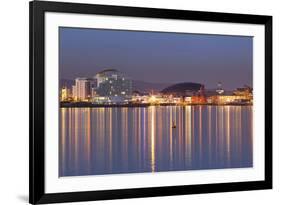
(142, 139)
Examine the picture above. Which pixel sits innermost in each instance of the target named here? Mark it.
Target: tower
(219, 89)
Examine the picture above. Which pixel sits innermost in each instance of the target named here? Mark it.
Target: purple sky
(157, 56)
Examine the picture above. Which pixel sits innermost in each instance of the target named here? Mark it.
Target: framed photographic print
(140, 102)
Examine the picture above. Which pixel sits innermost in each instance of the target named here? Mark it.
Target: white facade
(81, 90)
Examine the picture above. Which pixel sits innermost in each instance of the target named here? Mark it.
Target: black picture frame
(37, 110)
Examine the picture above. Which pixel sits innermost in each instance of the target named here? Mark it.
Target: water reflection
(156, 138)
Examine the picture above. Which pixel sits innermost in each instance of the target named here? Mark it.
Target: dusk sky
(157, 56)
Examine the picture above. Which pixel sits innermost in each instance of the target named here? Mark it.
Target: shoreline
(90, 105)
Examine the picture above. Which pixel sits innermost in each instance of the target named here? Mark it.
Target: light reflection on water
(142, 139)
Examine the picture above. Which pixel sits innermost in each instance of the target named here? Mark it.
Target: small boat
(174, 125)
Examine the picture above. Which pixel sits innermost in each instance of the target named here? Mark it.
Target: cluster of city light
(111, 87)
(160, 99)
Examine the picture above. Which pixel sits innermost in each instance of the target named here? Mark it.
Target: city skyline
(157, 57)
(112, 88)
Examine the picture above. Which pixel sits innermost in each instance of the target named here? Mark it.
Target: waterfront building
(100, 100)
(245, 91)
(229, 99)
(93, 92)
(188, 100)
(82, 89)
(157, 99)
(64, 94)
(74, 93)
(140, 99)
(200, 97)
(177, 100)
(111, 82)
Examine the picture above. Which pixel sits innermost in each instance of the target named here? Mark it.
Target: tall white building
(81, 91)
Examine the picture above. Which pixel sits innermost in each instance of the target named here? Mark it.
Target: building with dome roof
(112, 83)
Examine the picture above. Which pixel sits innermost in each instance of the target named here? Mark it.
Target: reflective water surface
(156, 138)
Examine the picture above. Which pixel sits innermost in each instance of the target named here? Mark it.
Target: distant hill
(182, 88)
(142, 86)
